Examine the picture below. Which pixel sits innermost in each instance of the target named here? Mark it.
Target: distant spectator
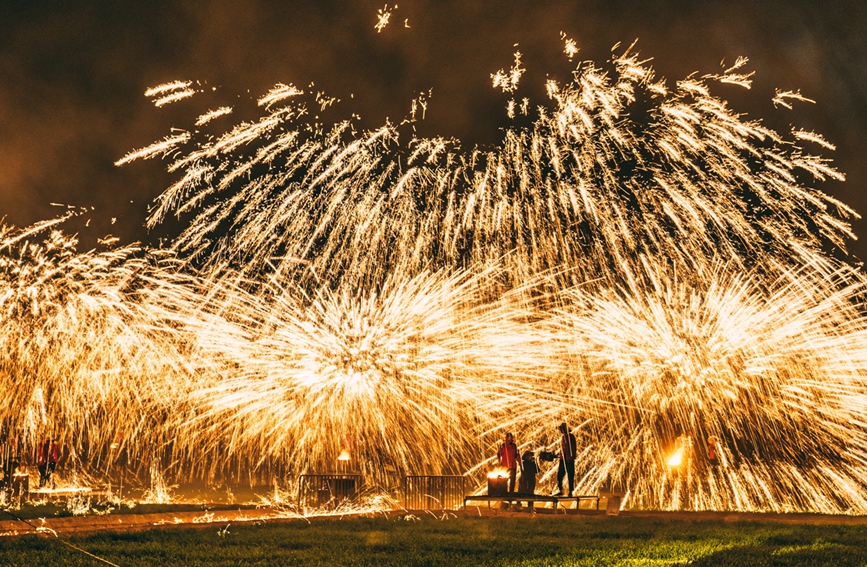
(53, 457)
(713, 450)
(42, 450)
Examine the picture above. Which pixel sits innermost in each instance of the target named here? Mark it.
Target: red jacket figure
(508, 458)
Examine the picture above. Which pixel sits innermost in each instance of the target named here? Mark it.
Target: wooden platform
(555, 501)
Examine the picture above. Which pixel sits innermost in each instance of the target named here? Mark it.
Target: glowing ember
(383, 16)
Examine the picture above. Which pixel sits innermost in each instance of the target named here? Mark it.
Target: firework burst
(721, 356)
(640, 261)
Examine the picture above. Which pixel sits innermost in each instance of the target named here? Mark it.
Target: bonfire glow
(498, 472)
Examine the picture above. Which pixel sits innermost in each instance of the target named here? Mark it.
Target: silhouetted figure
(53, 457)
(713, 451)
(566, 468)
(529, 470)
(42, 461)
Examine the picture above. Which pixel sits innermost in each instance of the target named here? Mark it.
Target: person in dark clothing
(42, 461)
(53, 457)
(529, 470)
(566, 468)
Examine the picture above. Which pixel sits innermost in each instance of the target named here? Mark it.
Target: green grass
(32, 511)
(537, 542)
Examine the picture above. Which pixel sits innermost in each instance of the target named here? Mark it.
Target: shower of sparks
(168, 88)
(570, 47)
(160, 148)
(641, 262)
(174, 97)
(170, 92)
(813, 137)
(419, 103)
(279, 93)
(383, 16)
(782, 98)
(212, 114)
(729, 76)
(508, 80)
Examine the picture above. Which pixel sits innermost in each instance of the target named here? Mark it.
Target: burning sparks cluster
(640, 262)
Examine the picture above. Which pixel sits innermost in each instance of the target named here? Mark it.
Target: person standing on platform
(507, 456)
(529, 470)
(568, 450)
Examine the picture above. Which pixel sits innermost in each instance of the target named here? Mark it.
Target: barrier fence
(328, 490)
(433, 492)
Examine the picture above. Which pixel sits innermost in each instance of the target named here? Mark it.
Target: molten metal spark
(383, 16)
(641, 262)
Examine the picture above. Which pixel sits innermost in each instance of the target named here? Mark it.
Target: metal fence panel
(433, 492)
(327, 490)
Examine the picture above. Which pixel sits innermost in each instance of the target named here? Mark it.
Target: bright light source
(498, 472)
(676, 459)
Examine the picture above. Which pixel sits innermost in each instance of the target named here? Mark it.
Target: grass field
(426, 541)
(32, 511)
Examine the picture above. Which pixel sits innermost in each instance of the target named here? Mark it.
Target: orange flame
(498, 472)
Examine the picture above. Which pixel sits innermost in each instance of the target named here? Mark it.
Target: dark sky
(73, 74)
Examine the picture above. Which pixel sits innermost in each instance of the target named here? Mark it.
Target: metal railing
(433, 492)
(328, 490)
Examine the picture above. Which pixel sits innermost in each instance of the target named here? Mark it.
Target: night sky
(73, 75)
